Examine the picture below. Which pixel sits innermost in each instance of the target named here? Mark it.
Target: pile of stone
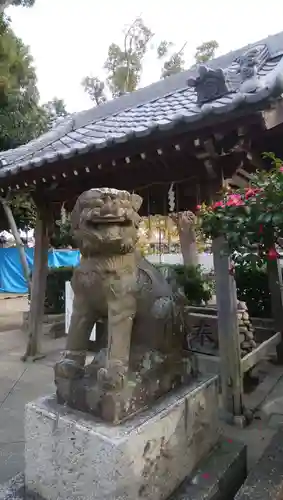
(246, 331)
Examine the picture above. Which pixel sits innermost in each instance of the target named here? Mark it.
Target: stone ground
(22, 382)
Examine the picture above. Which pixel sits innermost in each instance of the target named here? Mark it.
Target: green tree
(4, 4)
(124, 64)
(174, 62)
(21, 116)
(54, 110)
(95, 88)
(206, 51)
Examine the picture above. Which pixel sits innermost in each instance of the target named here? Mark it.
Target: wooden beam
(252, 358)
(182, 136)
(238, 181)
(228, 332)
(274, 116)
(38, 286)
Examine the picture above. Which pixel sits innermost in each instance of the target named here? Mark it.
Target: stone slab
(219, 476)
(265, 481)
(71, 455)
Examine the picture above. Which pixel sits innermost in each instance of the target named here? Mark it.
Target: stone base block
(70, 455)
(218, 476)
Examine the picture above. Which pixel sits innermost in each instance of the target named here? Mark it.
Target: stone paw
(112, 377)
(68, 368)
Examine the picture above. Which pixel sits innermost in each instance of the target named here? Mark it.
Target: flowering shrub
(251, 219)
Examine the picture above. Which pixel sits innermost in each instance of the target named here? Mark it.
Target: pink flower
(272, 254)
(218, 204)
(281, 169)
(234, 200)
(198, 207)
(250, 192)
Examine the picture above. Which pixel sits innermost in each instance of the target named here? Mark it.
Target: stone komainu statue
(138, 312)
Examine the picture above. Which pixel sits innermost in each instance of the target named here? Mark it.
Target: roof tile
(160, 105)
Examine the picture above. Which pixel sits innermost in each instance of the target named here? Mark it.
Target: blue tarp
(11, 273)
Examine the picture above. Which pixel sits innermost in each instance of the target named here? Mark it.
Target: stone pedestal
(70, 455)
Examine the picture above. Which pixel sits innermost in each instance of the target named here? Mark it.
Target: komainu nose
(107, 207)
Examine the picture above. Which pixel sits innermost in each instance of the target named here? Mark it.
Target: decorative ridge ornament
(249, 65)
(252, 61)
(243, 73)
(210, 84)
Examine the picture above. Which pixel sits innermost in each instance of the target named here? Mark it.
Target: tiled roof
(161, 106)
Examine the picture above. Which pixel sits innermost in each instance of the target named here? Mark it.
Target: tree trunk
(185, 222)
(38, 287)
(18, 240)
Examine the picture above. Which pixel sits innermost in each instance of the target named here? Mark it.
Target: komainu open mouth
(107, 220)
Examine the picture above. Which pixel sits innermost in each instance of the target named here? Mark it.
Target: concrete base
(70, 455)
(218, 477)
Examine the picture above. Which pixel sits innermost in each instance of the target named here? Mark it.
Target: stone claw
(68, 368)
(112, 377)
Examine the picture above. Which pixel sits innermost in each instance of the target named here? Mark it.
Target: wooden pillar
(38, 285)
(276, 291)
(228, 331)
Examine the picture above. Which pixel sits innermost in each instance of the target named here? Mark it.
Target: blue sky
(69, 38)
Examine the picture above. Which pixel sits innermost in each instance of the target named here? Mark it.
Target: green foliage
(54, 110)
(95, 88)
(174, 61)
(124, 64)
(62, 235)
(206, 51)
(24, 211)
(197, 288)
(18, 3)
(251, 219)
(22, 118)
(252, 288)
(55, 289)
